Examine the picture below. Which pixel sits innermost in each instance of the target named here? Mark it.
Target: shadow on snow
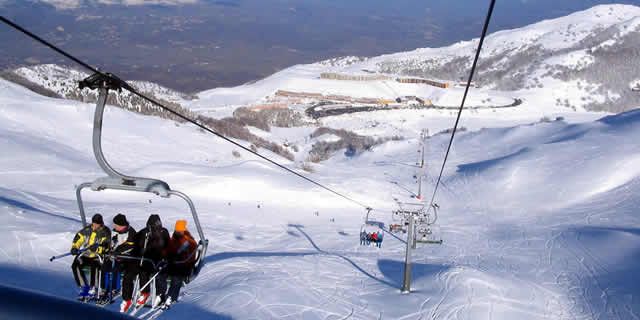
(62, 285)
(24, 206)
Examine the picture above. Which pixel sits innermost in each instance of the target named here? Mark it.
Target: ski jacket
(151, 242)
(374, 236)
(181, 253)
(97, 242)
(122, 243)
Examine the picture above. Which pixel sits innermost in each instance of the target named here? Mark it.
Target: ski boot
(125, 305)
(92, 294)
(104, 298)
(142, 300)
(167, 304)
(158, 302)
(83, 294)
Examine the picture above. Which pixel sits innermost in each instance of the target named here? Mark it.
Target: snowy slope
(539, 202)
(539, 220)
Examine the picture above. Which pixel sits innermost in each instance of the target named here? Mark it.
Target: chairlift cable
(464, 97)
(127, 87)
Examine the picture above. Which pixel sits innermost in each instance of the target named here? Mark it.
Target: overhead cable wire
(181, 116)
(464, 97)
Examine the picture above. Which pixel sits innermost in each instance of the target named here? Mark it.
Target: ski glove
(75, 251)
(162, 264)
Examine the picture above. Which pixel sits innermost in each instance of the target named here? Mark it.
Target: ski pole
(151, 280)
(59, 256)
(65, 255)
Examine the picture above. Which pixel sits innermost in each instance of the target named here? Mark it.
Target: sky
(192, 45)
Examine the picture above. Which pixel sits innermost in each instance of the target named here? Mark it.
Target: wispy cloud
(71, 4)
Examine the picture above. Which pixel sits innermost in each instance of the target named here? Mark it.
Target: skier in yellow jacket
(89, 246)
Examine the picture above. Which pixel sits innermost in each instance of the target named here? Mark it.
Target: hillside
(538, 202)
(584, 61)
(527, 233)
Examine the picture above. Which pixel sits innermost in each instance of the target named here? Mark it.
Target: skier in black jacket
(122, 246)
(151, 243)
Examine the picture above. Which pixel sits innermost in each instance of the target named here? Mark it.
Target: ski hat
(97, 218)
(181, 226)
(154, 222)
(120, 220)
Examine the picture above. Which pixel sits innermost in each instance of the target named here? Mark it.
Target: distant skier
(380, 237)
(122, 245)
(94, 239)
(374, 238)
(363, 238)
(181, 253)
(151, 243)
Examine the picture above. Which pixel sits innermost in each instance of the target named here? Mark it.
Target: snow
(530, 213)
(560, 36)
(538, 202)
(553, 34)
(63, 80)
(576, 60)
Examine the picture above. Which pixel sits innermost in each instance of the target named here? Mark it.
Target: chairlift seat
(155, 186)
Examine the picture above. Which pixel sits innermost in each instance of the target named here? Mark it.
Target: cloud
(72, 4)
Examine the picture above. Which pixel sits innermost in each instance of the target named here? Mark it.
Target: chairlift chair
(425, 227)
(370, 226)
(118, 181)
(400, 222)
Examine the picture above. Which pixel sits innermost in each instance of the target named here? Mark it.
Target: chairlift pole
(423, 136)
(406, 282)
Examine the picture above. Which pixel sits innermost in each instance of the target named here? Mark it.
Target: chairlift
(426, 227)
(400, 223)
(369, 227)
(118, 181)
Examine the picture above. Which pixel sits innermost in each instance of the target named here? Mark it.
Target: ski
(104, 304)
(157, 313)
(150, 311)
(135, 310)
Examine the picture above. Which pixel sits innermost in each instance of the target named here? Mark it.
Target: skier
(94, 239)
(181, 253)
(363, 237)
(374, 238)
(122, 246)
(151, 243)
(380, 237)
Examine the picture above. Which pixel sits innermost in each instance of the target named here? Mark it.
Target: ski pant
(111, 271)
(78, 274)
(176, 284)
(110, 275)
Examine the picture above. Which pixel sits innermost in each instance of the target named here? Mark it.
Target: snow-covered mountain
(584, 60)
(63, 82)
